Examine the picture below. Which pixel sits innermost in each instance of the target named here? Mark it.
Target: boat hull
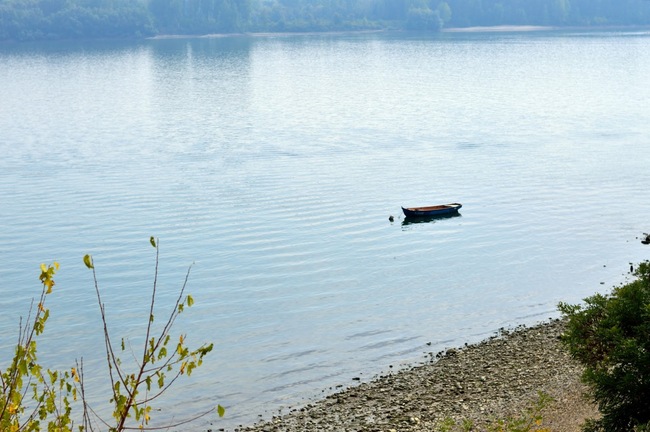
(437, 210)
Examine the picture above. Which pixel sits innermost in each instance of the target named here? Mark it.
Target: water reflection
(170, 137)
(410, 220)
(202, 48)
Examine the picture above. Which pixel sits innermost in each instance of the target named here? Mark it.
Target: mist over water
(271, 166)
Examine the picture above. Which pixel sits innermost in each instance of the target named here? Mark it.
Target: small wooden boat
(436, 210)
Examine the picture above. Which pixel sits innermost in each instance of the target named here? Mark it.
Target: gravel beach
(477, 384)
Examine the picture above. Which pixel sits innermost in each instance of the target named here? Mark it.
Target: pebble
(475, 383)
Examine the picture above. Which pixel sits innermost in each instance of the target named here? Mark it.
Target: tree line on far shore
(86, 19)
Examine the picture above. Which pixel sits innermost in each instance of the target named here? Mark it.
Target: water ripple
(273, 165)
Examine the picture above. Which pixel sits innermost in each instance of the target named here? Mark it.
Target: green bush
(610, 336)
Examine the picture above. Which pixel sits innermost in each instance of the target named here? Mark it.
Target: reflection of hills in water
(410, 220)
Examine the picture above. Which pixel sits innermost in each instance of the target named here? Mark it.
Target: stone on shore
(480, 383)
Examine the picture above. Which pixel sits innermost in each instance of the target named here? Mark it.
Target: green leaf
(221, 410)
(190, 301)
(88, 260)
(152, 240)
(22, 367)
(205, 349)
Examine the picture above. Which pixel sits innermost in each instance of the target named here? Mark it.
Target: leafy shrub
(610, 336)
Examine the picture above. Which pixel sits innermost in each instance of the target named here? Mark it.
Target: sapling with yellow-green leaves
(162, 362)
(34, 398)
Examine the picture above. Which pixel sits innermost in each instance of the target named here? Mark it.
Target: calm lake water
(273, 165)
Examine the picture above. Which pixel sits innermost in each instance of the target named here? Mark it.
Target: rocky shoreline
(478, 384)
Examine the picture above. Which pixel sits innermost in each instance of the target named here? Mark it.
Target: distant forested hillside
(71, 19)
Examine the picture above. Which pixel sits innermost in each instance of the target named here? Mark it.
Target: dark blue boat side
(436, 210)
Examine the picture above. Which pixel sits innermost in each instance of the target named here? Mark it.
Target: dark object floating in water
(391, 218)
(646, 239)
(436, 210)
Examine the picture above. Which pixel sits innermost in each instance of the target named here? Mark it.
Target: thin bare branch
(174, 312)
(111, 359)
(161, 391)
(153, 301)
(172, 425)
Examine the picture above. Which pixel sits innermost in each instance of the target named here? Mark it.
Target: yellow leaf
(74, 375)
(88, 260)
(46, 276)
